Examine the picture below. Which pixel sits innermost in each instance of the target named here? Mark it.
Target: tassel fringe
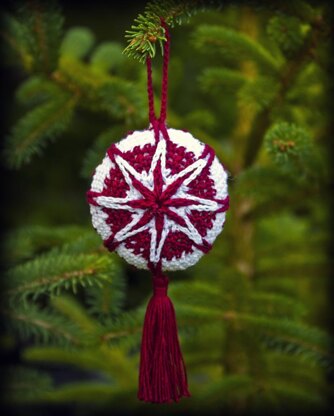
(162, 376)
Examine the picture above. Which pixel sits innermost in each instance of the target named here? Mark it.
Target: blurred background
(254, 315)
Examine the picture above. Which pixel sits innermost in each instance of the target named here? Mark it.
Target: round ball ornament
(159, 202)
(159, 199)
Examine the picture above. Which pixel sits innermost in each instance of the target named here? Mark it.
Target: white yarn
(216, 173)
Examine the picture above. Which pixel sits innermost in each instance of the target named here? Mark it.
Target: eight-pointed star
(159, 201)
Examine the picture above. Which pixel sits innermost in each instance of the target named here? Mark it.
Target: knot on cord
(160, 286)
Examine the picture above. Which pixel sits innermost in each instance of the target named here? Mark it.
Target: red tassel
(162, 376)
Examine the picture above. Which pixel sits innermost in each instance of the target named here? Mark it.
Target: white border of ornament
(140, 138)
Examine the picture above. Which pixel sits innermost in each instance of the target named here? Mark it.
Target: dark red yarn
(159, 124)
(156, 203)
(162, 376)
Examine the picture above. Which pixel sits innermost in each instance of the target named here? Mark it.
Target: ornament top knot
(159, 201)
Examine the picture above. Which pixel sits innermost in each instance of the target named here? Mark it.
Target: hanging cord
(151, 114)
(164, 87)
(162, 371)
(159, 124)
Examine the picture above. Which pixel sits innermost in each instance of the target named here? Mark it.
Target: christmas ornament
(159, 199)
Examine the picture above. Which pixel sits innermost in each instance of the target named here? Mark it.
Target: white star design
(158, 201)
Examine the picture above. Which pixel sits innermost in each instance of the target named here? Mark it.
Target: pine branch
(202, 295)
(44, 123)
(282, 285)
(122, 100)
(289, 74)
(37, 90)
(208, 337)
(301, 9)
(89, 359)
(107, 57)
(19, 383)
(292, 150)
(88, 243)
(296, 369)
(96, 392)
(275, 305)
(296, 398)
(292, 338)
(125, 329)
(107, 301)
(68, 84)
(288, 233)
(235, 47)
(219, 392)
(288, 33)
(42, 325)
(24, 243)
(147, 31)
(77, 43)
(258, 94)
(114, 95)
(53, 272)
(266, 187)
(15, 35)
(214, 80)
(285, 335)
(70, 308)
(35, 33)
(113, 364)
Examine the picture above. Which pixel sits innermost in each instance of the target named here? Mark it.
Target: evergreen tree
(251, 81)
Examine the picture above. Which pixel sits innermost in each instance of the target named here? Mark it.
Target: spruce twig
(147, 32)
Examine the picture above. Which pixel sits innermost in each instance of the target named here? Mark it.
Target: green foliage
(147, 32)
(125, 329)
(259, 93)
(24, 243)
(253, 313)
(108, 300)
(62, 81)
(77, 315)
(291, 338)
(234, 46)
(37, 90)
(108, 56)
(121, 100)
(45, 122)
(31, 322)
(217, 79)
(16, 37)
(35, 34)
(287, 32)
(271, 194)
(20, 380)
(175, 12)
(77, 43)
(52, 272)
(266, 314)
(290, 148)
(96, 153)
(144, 36)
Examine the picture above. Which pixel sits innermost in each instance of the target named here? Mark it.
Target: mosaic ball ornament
(159, 201)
